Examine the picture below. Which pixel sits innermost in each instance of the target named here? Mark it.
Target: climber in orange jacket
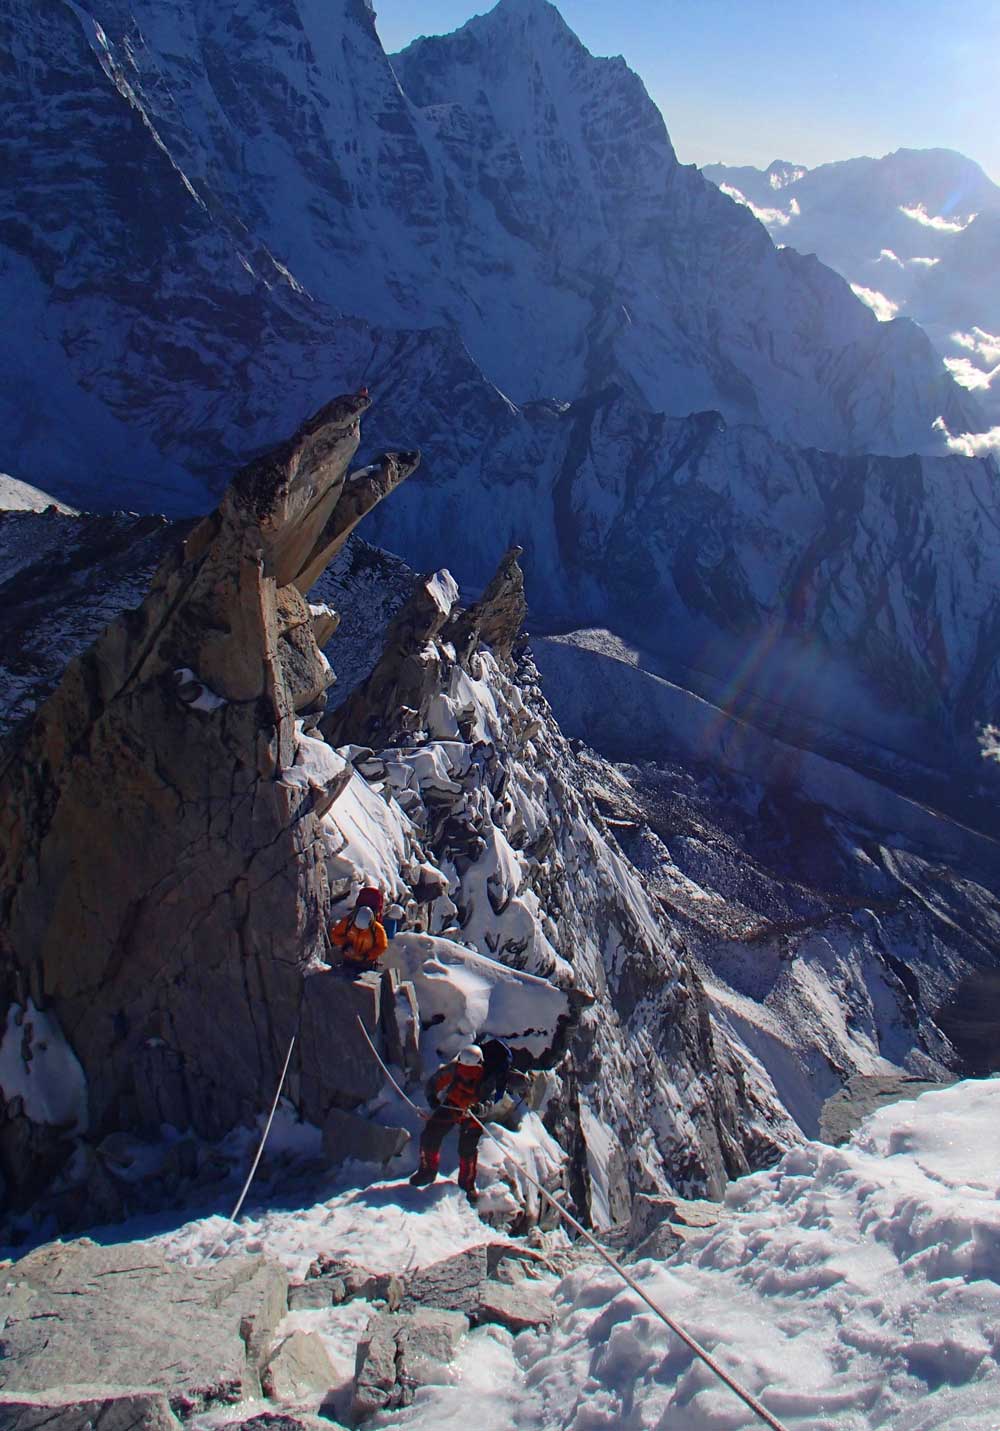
(360, 937)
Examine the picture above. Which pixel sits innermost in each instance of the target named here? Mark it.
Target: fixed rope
(267, 1126)
(747, 1397)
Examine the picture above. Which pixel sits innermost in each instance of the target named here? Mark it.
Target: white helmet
(471, 1055)
(364, 917)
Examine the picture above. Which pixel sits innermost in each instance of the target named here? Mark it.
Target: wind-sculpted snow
(848, 1288)
(245, 178)
(851, 1289)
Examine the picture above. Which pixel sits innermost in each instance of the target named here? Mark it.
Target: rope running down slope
(734, 1386)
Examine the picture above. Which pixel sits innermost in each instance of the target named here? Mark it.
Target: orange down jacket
(360, 946)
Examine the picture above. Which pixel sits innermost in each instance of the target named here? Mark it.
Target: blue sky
(748, 81)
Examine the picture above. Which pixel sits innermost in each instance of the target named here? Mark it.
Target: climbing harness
(745, 1396)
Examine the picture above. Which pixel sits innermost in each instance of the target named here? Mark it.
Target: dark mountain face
(260, 202)
(491, 230)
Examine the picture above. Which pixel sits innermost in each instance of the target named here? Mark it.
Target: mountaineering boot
(467, 1178)
(427, 1171)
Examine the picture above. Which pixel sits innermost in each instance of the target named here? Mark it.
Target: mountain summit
(268, 204)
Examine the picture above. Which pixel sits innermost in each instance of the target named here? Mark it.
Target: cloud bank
(887, 256)
(978, 371)
(883, 308)
(771, 218)
(970, 444)
(919, 214)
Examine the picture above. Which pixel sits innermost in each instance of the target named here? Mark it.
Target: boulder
(161, 835)
(454, 1284)
(299, 1370)
(348, 1138)
(516, 1307)
(76, 1408)
(650, 1210)
(333, 1280)
(427, 1343)
(65, 1308)
(400, 1353)
(659, 1244)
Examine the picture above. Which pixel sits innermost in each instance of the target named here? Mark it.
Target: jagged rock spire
(409, 673)
(160, 858)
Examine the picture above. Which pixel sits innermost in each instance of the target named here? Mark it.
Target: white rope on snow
(267, 1128)
(250, 1177)
(734, 1386)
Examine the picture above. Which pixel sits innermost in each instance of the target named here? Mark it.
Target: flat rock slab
(78, 1408)
(517, 1308)
(863, 1094)
(455, 1284)
(651, 1210)
(299, 1370)
(79, 1313)
(348, 1138)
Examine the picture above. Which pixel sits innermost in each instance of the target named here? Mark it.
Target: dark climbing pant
(440, 1123)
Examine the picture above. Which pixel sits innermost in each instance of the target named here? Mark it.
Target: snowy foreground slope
(849, 1288)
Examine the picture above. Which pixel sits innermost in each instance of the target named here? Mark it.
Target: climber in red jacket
(466, 1086)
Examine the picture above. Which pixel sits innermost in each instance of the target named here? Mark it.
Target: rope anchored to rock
(747, 1397)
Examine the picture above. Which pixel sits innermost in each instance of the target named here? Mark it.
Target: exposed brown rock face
(410, 671)
(157, 866)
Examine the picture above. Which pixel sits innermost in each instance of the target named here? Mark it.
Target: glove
(480, 1110)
